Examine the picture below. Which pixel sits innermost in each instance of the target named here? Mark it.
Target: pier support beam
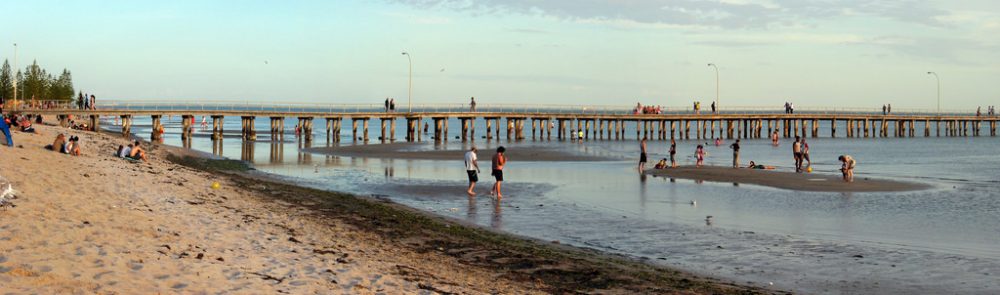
(248, 132)
(277, 128)
(155, 134)
(186, 126)
(217, 129)
(333, 129)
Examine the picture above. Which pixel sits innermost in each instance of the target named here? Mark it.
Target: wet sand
(100, 224)
(404, 150)
(787, 180)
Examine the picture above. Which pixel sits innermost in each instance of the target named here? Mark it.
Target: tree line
(35, 83)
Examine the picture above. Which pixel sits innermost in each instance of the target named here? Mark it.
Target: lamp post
(409, 89)
(718, 108)
(15, 76)
(938, 79)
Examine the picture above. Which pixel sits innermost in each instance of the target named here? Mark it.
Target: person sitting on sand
(847, 168)
(57, 144)
(137, 152)
(661, 164)
(699, 155)
(72, 146)
(124, 152)
(25, 125)
(755, 166)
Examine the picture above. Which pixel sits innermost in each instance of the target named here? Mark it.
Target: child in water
(699, 155)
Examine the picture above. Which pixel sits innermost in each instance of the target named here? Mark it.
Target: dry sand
(97, 224)
(400, 151)
(787, 180)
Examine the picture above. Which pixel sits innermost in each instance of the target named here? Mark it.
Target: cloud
(730, 14)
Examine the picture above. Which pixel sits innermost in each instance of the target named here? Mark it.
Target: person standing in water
(797, 154)
(673, 152)
(736, 153)
(642, 154)
(498, 161)
(774, 138)
(472, 169)
(847, 168)
(805, 153)
(699, 155)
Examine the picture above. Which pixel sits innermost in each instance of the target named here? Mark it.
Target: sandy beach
(815, 182)
(100, 224)
(402, 150)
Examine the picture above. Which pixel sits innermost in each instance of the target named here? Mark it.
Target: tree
(6, 83)
(35, 83)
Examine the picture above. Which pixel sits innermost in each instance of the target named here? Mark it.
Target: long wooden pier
(597, 125)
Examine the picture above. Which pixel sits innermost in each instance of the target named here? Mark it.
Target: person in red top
(498, 161)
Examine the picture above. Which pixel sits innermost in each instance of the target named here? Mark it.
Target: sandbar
(404, 150)
(814, 182)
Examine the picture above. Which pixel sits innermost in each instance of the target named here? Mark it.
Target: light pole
(15, 75)
(718, 108)
(409, 89)
(938, 91)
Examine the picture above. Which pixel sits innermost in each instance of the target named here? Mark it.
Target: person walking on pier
(736, 153)
(979, 110)
(642, 154)
(497, 166)
(888, 109)
(673, 152)
(472, 105)
(797, 154)
(472, 169)
(392, 105)
(883, 110)
(386, 104)
(713, 107)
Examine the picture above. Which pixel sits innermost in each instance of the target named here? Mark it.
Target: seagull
(442, 70)
(694, 203)
(265, 62)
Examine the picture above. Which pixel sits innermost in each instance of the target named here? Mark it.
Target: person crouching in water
(847, 168)
(498, 161)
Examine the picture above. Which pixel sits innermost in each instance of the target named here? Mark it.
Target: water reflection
(472, 211)
(217, 147)
(304, 158)
(497, 221)
(246, 152)
(277, 152)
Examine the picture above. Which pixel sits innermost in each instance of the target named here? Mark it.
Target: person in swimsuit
(797, 154)
(642, 154)
(847, 168)
(673, 151)
(805, 153)
(498, 161)
(699, 155)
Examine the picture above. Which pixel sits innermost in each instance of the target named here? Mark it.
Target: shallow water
(941, 240)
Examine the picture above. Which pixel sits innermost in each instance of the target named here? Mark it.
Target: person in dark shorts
(797, 154)
(472, 169)
(642, 154)
(499, 159)
(673, 151)
(736, 153)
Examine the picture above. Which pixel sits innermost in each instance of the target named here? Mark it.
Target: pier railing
(302, 107)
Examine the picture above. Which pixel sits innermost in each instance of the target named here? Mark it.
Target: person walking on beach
(6, 131)
(847, 168)
(497, 166)
(699, 155)
(673, 151)
(797, 154)
(642, 154)
(472, 105)
(736, 153)
(472, 169)
(805, 153)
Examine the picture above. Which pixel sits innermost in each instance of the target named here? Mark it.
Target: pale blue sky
(815, 53)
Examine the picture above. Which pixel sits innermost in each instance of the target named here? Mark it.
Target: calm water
(942, 240)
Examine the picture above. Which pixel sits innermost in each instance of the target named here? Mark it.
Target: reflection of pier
(604, 123)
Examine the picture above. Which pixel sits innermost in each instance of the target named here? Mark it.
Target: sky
(815, 53)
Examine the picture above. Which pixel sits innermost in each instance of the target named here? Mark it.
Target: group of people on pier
(647, 109)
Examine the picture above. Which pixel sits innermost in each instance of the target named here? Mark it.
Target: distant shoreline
(787, 180)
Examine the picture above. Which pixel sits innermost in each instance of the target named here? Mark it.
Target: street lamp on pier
(409, 89)
(938, 79)
(718, 108)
